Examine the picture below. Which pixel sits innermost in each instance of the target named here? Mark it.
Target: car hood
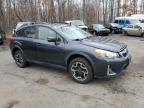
(116, 26)
(82, 26)
(101, 29)
(104, 43)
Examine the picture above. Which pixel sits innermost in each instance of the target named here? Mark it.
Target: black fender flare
(87, 57)
(16, 47)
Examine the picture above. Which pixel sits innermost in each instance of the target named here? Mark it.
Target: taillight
(9, 38)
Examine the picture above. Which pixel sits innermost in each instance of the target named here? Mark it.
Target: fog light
(110, 72)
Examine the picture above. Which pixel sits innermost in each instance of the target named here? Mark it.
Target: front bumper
(111, 68)
(103, 32)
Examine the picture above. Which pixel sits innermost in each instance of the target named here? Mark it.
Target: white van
(125, 21)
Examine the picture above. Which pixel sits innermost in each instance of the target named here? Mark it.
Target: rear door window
(116, 21)
(21, 33)
(130, 26)
(30, 32)
(121, 21)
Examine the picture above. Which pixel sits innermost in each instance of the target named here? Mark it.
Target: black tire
(1, 43)
(20, 59)
(94, 33)
(76, 67)
(125, 33)
(142, 35)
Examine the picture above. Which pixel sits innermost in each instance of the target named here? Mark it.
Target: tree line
(90, 11)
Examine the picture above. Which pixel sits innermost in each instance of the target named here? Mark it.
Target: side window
(29, 32)
(44, 33)
(121, 21)
(136, 26)
(130, 26)
(127, 22)
(116, 21)
(21, 33)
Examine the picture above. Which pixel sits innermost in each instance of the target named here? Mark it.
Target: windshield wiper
(88, 37)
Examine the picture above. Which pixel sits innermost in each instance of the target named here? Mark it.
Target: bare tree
(91, 11)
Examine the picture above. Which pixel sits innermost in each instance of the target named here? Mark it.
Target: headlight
(106, 54)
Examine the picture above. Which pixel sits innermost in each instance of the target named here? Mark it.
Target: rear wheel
(20, 59)
(80, 70)
(142, 35)
(94, 33)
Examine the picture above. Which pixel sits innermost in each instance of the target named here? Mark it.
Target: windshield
(74, 33)
(133, 21)
(77, 23)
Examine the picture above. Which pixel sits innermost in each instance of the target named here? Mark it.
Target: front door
(50, 52)
(136, 30)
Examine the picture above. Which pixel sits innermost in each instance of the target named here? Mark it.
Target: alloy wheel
(79, 71)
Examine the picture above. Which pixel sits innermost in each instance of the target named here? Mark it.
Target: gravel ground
(44, 87)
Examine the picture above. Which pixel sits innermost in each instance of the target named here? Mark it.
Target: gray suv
(83, 55)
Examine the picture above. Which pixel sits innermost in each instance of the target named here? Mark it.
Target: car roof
(118, 18)
(51, 25)
(97, 24)
(69, 21)
(137, 15)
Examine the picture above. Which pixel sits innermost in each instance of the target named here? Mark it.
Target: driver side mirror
(55, 39)
(51, 39)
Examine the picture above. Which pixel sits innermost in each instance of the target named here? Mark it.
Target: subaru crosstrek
(83, 55)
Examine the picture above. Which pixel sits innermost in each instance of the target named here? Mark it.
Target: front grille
(85, 29)
(124, 53)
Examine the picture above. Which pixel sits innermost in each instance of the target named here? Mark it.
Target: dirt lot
(44, 87)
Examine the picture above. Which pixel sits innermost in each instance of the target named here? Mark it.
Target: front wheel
(20, 59)
(80, 70)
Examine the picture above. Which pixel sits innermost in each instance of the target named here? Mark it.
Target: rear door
(26, 38)
(129, 29)
(50, 52)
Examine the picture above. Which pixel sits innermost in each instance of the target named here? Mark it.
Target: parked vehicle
(140, 17)
(125, 21)
(1, 39)
(78, 23)
(134, 29)
(20, 24)
(2, 36)
(99, 29)
(113, 27)
(83, 55)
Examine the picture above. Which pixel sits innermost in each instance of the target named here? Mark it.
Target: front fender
(79, 54)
